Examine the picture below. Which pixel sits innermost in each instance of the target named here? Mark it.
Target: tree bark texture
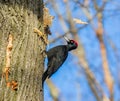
(25, 59)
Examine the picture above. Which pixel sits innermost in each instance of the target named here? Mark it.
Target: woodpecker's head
(71, 43)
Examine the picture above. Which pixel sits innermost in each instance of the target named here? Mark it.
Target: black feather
(44, 76)
(56, 57)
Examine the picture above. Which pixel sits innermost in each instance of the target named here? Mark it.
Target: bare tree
(68, 26)
(22, 42)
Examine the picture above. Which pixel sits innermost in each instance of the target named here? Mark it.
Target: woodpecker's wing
(58, 50)
(56, 57)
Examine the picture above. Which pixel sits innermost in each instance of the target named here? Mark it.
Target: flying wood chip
(78, 21)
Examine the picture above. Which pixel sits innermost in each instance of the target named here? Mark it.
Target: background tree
(21, 49)
(98, 53)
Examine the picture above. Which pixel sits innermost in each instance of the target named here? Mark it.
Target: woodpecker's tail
(44, 76)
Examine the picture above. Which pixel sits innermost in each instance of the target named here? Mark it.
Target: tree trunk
(21, 56)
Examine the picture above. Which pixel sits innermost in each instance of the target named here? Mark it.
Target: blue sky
(70, 78)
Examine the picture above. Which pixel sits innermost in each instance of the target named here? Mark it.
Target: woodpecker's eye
(71, 41)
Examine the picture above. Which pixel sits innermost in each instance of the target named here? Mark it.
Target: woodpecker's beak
(66, 39)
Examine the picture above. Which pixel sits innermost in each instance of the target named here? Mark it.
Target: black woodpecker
(56, 57)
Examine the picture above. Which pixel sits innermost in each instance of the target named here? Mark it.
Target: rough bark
(18, 18)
